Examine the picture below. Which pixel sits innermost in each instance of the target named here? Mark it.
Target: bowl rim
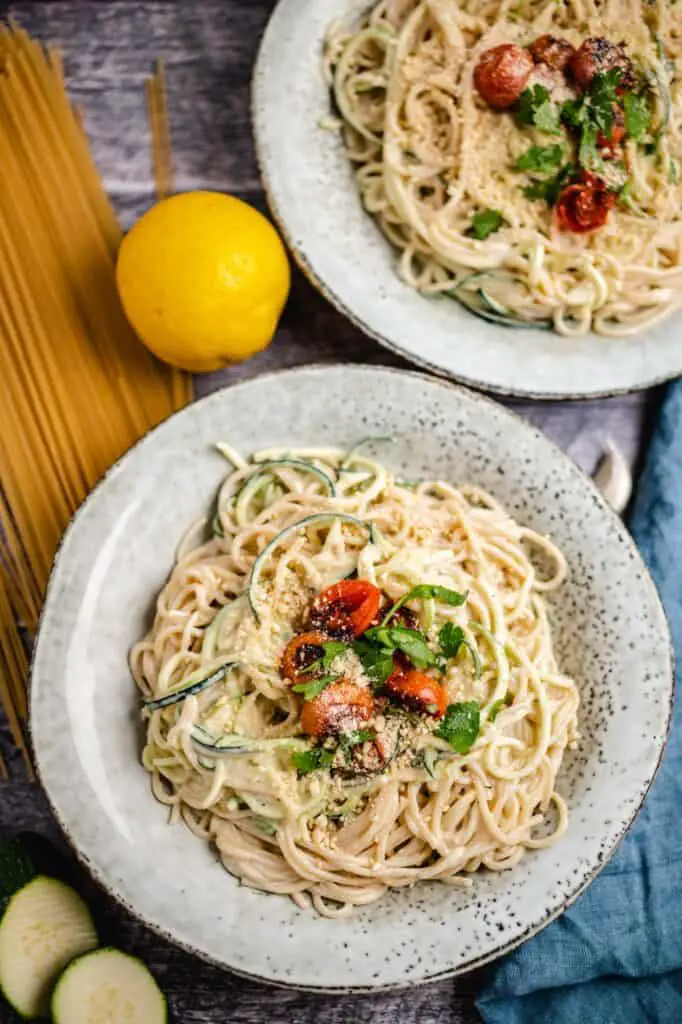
(305, 265)
(108, 885)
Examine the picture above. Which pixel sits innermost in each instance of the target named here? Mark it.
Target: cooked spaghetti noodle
(430, 155)
(317, 817)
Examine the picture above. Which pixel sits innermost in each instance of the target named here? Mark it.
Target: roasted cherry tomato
(584, 206)
(502, 73)
(609, 144)
(597, 55)
(555, 53)
(339, 708)
(346, 609)
(418, 691)
(301, 652)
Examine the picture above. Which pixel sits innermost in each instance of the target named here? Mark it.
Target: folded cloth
(615, 957)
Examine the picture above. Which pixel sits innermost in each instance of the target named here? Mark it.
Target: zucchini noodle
(224, 726)
(428, 154)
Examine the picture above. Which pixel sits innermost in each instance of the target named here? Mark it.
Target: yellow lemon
(203, 278)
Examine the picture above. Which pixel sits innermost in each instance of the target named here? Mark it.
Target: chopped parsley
(451, 638)
(588, 154)
(348, 741)
(315, 687)
(460, 725)
(377, 662)
(637, 114)
(592, 115)
(331, 650)
(537, 108)
(485, 223)
(424, 591)
(549, 188)
(541, 158)
(409, 641)
(314, 760)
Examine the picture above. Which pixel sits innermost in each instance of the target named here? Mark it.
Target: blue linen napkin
(615, 957)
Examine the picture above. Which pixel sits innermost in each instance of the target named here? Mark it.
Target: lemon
(203, 278)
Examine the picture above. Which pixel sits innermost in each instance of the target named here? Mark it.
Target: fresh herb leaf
(315, 687)
(356, 737)
(549, 188)
(332, 649)
(541, 158)
(377, 662)
(485, 223)
(424, 591)
(460, 725)
(602, 96)
(588, 154)
(574, 112)
(536, 108)
(451, 638)
(637, 114)
(307, 761)
(348, 741)
(409, 641)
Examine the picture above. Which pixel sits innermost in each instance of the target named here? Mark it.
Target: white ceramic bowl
(312, 195)
(610, 630)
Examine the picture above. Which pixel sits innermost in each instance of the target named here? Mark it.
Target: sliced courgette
(45, 926)
(318, 518)
(232, 744)
(108, 986)
(194, 684)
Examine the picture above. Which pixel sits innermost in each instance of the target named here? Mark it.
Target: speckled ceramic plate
(312, 195)
(610, 630)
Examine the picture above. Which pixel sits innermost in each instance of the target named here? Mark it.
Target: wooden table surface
(209, 48)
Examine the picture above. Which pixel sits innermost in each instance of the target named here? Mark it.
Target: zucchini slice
(194, 684)
(302, 466)
(232, 744)
(105, 986)
(45, 926)
(315, 519)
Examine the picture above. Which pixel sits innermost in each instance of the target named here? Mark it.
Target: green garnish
(451, 638)
(355, 738)
(541, 158)
(409, 641)
(460, 725)
(424, 591)
(593, 115)
(673, 172)
(377, 662)
(637, 114)
(549, 188)
(315, 687)
(485, 223)
(331, 650)
(314, 760)
(536, 108)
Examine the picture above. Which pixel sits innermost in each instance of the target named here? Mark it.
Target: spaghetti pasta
(464, 191)
(77, 388)
(331, 747)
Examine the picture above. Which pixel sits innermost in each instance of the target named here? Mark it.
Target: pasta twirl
(336, 811)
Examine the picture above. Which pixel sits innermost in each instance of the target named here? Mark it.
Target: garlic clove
(613, 477)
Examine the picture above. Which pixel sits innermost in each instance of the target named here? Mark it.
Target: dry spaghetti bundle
(77, 388)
